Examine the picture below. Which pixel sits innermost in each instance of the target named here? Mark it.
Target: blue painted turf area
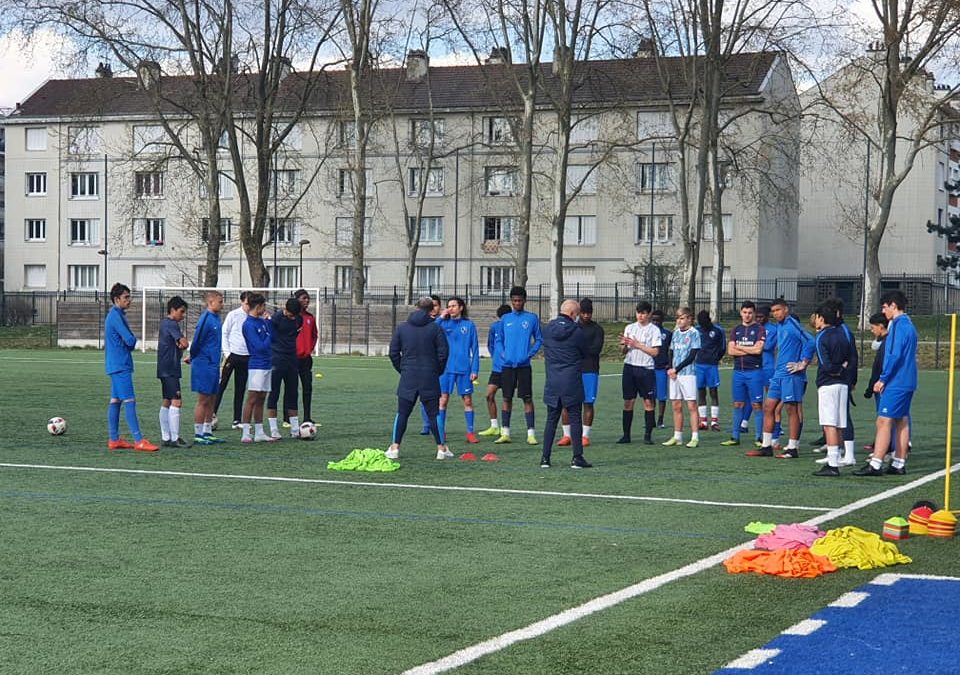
(909, 626)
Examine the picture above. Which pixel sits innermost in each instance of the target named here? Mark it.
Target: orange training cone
(468, 457)
(489, 457)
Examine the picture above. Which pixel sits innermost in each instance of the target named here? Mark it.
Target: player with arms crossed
(746, 348)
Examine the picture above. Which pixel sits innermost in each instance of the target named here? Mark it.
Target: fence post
(936, 346)
(366, 328)
(616, 301)
(333, 325)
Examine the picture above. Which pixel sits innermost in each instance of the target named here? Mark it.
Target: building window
(36, 229)
(727, 223)
(225, 230)
(285, 231)
(500, 180)
(662, 230)
(284, 183)
(498, 130)
(585, 129)
(36, 138)
(343, 277)
(36, 184)
(657, 177)
(285, 276)
(345, 182)
(346, 133)
(434, 187)
(425, 131)
(83, 277)
(580, 231)
(83, 231)
(84, 140)
(654, 125)
(499, 229)
(293, 141)
(497, 279)
(431, 230)
(84, 186)
(35, 276)
(579, 280)
(941, 176)
(148, 231)
(427, 277)
(148, 138)
(344, 231)
(149, 183)
(225, 186)
(583, 177)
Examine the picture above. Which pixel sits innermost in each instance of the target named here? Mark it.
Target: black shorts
(639, 381)
(495, 379)
(170, 388)
(519, 380)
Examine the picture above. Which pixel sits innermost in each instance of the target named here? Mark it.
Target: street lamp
(106, 256)
(302, 243)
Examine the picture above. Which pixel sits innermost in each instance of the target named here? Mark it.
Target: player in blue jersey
(521, 342)
(794, 352)
(170, 346)
(118, 345)
(463, 363)
(661, 363)
(593, 338)
(769, 365)
(204, 363)
(713, 345)
(257, 334)
(746, 348)
(495, 350)
(684, 346)
(895, 386)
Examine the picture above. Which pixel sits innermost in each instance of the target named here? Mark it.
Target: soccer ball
(57, 426)
(308, 431)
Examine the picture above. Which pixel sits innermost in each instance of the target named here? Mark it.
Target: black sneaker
(765, 451)
(827, 470)
(580, 463)
(789, 453)
(867, 470)
(180, 443)
(544, 462)
(167, 444)
(648, 440)
(623, 440)
(891, 470)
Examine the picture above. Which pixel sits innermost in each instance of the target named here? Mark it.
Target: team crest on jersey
(463, 330)
(525, 324)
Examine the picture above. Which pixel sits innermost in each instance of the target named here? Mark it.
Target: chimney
(498, 56)
(286, 67)
(417, 64)
(148, 74)
(646, 49)
(104, 70)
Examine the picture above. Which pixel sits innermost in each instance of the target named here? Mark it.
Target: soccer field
(253, 559)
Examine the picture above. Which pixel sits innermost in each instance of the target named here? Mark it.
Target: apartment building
(99, 196)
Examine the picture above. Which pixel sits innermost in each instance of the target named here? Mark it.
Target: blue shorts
(121, 387)
(748, 386)
(591, 385)
(787, 388)
(462, 382)
(663, 391)
(204, 379)
(894, 403)
(707, 376)
(767, 376)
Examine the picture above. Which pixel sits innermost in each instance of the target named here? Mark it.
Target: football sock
(702, 410)
(494, 424)
(442, 420)
(833, 455)
(759, 419)
(777, 429)
(207, 428)
(245, 430)
(627, 422)
(130, 411)
(113, 420)
(876, 463)
(714, 414)
(273, 424)
(899, 463)
(531, 421)
(468, 416)
(678, 435)
(259, 429)
(848, 450)
(505, 415)
(165, 423)
(424, 417)
(566, 430)
(649, 421)
(695, 436)
(504, 431)
(735, 429)
(746, 412)
(767, 439)
(295, 425)
(793, 444)
(198, 429)
(174, 423)
(586, 430)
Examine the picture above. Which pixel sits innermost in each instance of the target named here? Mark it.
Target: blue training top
(119, 342)
(464, 356)
(833, 351)
(713, 345)
(748, 336)
(168, 353)
(519, 328)
(205, 348)
(662, 360)
(257, 333)
(770, 346)
(495, 346)
(793, 344)
(900, 355)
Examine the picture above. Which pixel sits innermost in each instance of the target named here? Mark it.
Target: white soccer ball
(308, 431)
(57, 426)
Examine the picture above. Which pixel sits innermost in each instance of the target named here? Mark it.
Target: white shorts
(832, 405)
(258, 380)
(684, 388)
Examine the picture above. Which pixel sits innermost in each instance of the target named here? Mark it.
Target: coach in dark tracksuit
(418, 351)
(564, 348)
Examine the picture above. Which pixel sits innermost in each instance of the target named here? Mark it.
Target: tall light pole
(652, 228)
(866, 230)
(302, 243)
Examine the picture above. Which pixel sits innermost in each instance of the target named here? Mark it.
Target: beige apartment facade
(95, 194)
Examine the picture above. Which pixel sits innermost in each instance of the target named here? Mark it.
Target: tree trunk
(525, 146)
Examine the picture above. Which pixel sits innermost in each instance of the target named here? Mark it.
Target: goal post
(194, 296)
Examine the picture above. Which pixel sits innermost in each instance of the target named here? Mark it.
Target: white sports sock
(899, 463)
(504, 431)
(273, 424)
(566, 429)
(245, 430)
(703, 412)
(767, 439)
(174, 423)
(259, 429)
(586, 430)
(695, 436)
(531, 432)
(494, 424)
(295, 424)
(833, 456)
(198, 429)
(207, 428)
(848, 450)
(714, 412)
(678, 435)
(793, 444)
(165, 423)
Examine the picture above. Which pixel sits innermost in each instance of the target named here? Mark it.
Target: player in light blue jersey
(463, 363)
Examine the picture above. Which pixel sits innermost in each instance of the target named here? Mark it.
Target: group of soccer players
(264, 352)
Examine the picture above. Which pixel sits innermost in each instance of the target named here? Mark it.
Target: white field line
(412, 486)
(890, 578)
(495, 644)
